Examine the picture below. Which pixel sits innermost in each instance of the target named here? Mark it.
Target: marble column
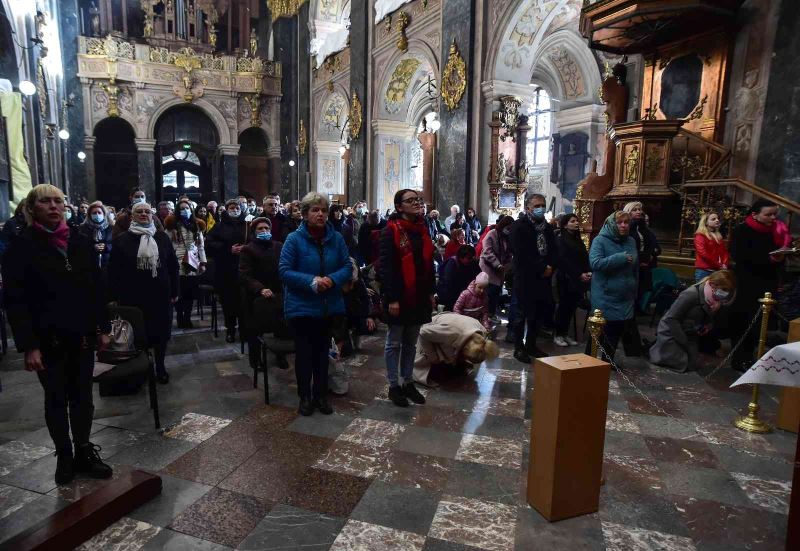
(303, 98)
(69, 30)
(285, 34)
(778, 169)
(457, 126)
(229, 169)
(274, 168)
(88, 148)
(263, 29)
(361, 23)
(145, 153)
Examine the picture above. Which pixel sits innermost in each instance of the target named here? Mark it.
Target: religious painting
(680, 86)
(398, 84)
(328, 9)
(329, 174)
(332, 117)
(391, 169)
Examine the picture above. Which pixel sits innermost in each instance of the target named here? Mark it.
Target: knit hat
(482, 279)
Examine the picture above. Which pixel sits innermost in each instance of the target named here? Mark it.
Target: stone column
(274, 169)
(428, 142)
(457, 130)
(69, 29)
(88, 162)
(285, 34)
(361, 25)
(229, 170)
(145, 153)
(303, 98)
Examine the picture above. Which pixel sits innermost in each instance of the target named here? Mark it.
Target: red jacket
(710, 254)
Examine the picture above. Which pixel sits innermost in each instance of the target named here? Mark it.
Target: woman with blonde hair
(711, 253)
(56, 307)
(686, 328)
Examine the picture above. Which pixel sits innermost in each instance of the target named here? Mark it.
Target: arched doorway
(115, 164)
(186, 150)
(253, 164)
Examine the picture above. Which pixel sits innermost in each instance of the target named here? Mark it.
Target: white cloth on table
(779, 366)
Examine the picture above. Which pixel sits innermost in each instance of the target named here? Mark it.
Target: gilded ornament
(284, 8)
(454, 78)
(253, 43)
(112, 92)
(654, 163)
(632, 166)
(509, 117)
(698, 111)
(302, 140)
(402, 41)
(650, 113)
(355, 117)
(149, 14)
(401, 78)
(254, 101)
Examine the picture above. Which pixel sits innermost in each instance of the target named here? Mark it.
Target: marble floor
(446, 476)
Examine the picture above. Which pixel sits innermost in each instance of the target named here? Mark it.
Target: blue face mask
(67, 214)
(263, 236)
(236, 213)
(186, 213)
(137, 200)
(98, 218)
(538, 212)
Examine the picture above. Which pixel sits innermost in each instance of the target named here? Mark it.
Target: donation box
(570, 396)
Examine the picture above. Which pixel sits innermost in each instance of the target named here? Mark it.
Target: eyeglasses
(412, 200)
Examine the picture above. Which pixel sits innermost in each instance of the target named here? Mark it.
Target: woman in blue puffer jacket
(313, 267)
(615, 277)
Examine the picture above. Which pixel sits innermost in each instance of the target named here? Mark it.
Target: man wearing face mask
(533, 243)
(277, 220)
(123, 222)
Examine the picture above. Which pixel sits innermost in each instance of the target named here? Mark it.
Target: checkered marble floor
(446, 476)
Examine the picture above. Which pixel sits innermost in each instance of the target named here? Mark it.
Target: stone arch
(220, 123)
(569, 42)
(319, 132)
(418, 49)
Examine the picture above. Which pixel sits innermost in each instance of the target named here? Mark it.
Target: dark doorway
(116, 167)
(186, 151)
(253, 173)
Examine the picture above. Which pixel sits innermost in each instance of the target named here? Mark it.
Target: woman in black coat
(647, 246)
(97, 231)
(143, 273)
(407, 280)
(224, 244)
(756, 273)
(55, 304)
(262, 292)
(573, 276)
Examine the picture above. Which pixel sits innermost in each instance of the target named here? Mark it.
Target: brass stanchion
(596, 323)
(751, 422)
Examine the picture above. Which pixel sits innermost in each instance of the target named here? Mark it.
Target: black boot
(397, 397)
(231, 335)
(281, 362)
(522, 356)
(65, 470)
(323, 405)
(411, 392)
(87, 461)
(306, 407)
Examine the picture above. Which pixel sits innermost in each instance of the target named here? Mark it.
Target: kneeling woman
(690, 320)
(451, 339)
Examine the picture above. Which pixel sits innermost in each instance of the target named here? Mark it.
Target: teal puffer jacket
(614, 279)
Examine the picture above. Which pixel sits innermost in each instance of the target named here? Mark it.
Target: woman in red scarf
(407, 283)
(54, 298)
(756, 272)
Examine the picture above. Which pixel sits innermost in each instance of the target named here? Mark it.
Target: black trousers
(738, 322)
(534, 314)
(188, 294)
(494, 292)
(230, 299)
(612, 332)
(67, 384)
(567, 304)
(312, 343)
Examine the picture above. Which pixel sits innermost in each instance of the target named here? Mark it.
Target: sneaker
(87, 461)
(522, 356)
(397, 397)
(411, 392)
(560, 341)
(323, 406)
(571, 341)
(306, 407)
(65, 470)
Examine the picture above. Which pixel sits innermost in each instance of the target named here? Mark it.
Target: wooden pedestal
(789, 406)
(567, 435)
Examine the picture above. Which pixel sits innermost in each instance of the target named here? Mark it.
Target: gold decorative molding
(189, 62)
(454, 78)
(632, 166)
(112, 48)
(402, 40)
(254, 101)
(112, 93)
(355, 116)
(284, 8)
(302, 140)
(698, 111)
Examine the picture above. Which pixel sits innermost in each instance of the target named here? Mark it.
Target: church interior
(687, 107)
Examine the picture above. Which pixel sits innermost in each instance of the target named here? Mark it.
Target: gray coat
(676, 340)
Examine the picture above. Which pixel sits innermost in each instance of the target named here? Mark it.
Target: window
(537, 150)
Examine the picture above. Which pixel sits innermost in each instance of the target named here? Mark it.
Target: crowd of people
(323, 275)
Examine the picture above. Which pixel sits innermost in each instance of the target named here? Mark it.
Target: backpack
(122, 346)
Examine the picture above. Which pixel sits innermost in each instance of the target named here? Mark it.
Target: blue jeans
(700, 274)
(401, 348)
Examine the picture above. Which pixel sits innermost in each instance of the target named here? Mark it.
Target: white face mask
(137, 200)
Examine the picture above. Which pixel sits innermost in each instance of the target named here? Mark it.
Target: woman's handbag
(122, 346)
